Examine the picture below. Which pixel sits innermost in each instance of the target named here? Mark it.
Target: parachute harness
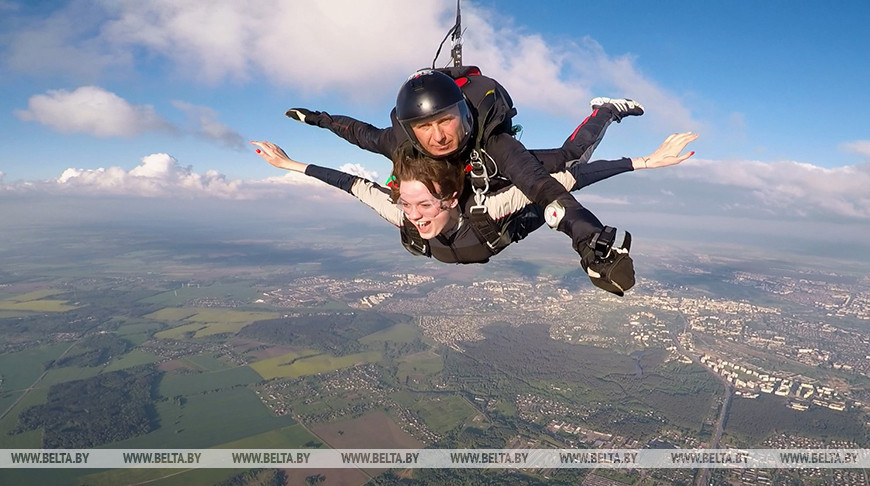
(479, 180)
(481, 222)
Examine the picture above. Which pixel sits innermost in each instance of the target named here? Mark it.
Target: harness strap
(486, 229)
(412, 241)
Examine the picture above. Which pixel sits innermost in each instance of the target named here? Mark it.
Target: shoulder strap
(487, 230)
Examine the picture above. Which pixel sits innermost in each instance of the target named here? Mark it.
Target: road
(703, 477)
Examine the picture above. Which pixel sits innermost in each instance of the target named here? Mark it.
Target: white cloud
(286, 41)
(597, 199)
(158, 175)
(787, 188)
(860, 147)
(204, 124)
(161, 176)
(571, 72)
(339, 47)
(95, 111)
(359, 171)
(91, 110)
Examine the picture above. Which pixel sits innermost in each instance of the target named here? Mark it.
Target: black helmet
(428, 93)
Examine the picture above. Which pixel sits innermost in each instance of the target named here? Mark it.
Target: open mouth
(423, 224)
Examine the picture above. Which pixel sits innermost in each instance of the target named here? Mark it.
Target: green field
(442, 412)
(34, 295)
(194, 383)
(136, 328)
(69, 373)
(200, 330)
(36, 302)
(399, 333)
(205, 322)
(131, 359)
(204, 420)
(418, 365)
(8, 398)
(294, 365)
(21, 369)
(172, 314)
(205, 362)
(292, 437)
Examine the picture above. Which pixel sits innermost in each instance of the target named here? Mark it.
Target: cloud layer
(791, 187)
(738, 188)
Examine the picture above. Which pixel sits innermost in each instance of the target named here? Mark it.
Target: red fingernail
(690, 154)
(258, 151)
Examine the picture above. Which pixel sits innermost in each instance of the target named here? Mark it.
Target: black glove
(608, 267)
(316, 118)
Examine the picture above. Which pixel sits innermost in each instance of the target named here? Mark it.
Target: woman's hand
(276, 156)
(668, 152)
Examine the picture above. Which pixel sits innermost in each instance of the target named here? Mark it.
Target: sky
(159, 98)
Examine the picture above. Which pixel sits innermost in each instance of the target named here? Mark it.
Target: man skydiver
(434, 116)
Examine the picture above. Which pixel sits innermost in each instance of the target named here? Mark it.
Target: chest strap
(412, 241)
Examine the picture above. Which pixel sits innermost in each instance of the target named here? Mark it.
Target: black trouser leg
(579, 146)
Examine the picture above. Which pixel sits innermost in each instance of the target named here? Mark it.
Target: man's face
(440, 135)
(430, 215)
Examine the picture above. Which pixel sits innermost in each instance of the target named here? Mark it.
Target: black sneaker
(620, 108)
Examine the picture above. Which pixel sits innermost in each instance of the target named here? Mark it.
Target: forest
(106, 408)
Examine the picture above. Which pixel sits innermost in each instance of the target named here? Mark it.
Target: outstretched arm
(368, 192)
(364, 135)
(511, 200)
(666, 155)
(668, 152)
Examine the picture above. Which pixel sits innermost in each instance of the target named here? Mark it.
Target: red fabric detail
(468, 168)
(461, 82)
(474, 71)
(594, 112)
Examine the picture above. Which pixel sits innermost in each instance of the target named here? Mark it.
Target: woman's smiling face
(429, 214)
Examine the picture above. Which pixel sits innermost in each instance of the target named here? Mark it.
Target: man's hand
(316, 118)
(608, 267)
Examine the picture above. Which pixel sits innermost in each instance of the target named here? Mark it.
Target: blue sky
(159, 98)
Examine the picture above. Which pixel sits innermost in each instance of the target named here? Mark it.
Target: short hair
(410, 164)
